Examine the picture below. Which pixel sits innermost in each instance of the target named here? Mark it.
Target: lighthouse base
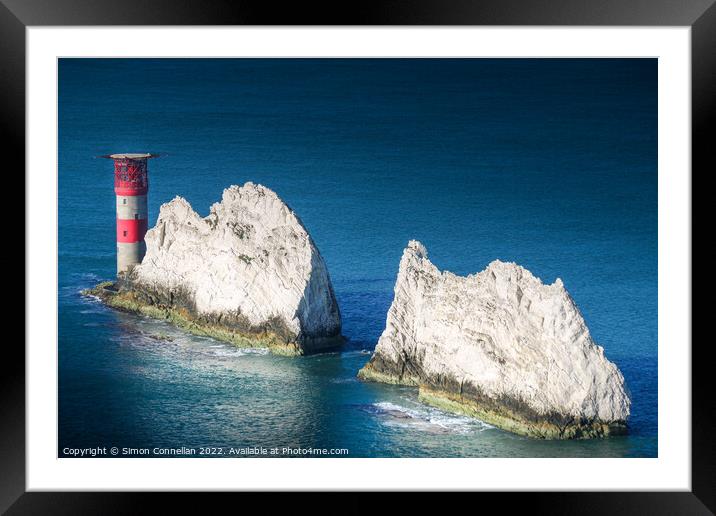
(129, 254)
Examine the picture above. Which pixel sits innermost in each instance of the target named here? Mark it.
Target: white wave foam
(428, 417)
(221, 351)
(356, 352)
(344, 380)
(178, 344)
(90, 276)
(91, 311)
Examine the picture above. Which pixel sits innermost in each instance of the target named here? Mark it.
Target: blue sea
(550, 163)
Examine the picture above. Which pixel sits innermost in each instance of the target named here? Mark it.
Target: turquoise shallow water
(549, 163)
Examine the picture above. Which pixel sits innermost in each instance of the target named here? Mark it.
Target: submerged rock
(248, 273)
(501, 346)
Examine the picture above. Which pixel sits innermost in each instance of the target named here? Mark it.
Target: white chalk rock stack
(249, 265)
(499, 345)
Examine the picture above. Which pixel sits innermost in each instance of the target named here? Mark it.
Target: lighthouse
(131, 185)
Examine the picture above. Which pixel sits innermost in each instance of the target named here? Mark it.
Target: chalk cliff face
(248, 271)
(501, 346)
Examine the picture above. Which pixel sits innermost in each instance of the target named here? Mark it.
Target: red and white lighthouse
(131, 185)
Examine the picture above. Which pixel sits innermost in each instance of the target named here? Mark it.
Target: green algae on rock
(272, 335)
(500, 414)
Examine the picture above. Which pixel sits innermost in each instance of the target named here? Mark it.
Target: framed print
(444, 248)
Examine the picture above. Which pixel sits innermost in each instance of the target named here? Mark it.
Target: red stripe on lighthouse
(130, 190)
(130, 231)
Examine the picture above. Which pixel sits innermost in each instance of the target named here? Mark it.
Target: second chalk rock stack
(501, 346)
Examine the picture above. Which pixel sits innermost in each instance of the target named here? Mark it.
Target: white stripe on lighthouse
(131, 207)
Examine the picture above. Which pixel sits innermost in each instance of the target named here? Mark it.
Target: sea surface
(550, 163)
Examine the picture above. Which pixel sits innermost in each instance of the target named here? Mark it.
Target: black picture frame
(700, 15)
